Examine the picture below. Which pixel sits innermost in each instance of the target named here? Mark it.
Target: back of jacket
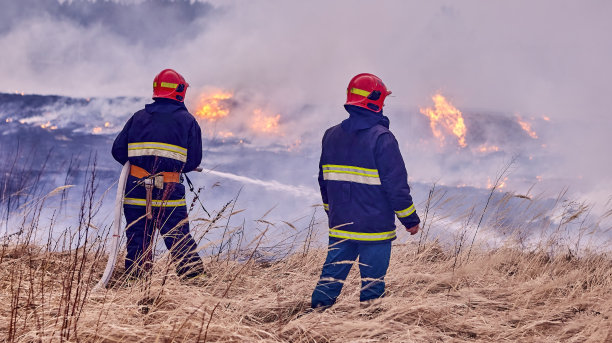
(163, 137)
(363, 179)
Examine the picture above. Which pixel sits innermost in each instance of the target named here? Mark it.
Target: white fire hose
(116, 230)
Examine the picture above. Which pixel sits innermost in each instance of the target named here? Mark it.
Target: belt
(157, 180)
(168, 177)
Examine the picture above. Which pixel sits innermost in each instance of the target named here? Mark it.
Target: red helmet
(170, 85)
(367, 91)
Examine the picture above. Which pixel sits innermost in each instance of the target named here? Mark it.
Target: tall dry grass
(553, 291)
(501, 295)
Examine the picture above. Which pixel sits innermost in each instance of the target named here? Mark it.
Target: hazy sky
(539, 58)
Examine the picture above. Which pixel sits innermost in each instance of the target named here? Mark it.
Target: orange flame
(211, 106)
(500, 184)
(49, 126)
(225, 134)
(527, 127)
(447, 117)
(264, 123)
(488, 148)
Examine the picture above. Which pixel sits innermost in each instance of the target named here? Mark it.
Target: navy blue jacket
(363, 179)
(163, 137)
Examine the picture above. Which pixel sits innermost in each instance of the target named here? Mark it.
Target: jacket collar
(361, 119)
(164, 105)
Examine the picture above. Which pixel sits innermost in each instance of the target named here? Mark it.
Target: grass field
(501, 295)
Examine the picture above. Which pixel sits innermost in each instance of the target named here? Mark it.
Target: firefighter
(160, 141)
(364, 185)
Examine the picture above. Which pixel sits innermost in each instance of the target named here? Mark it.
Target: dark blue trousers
(140, 232)
(373, 265)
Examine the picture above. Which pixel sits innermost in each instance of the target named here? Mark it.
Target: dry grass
(502, 295)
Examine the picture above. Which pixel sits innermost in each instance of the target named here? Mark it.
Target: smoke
(549, 58)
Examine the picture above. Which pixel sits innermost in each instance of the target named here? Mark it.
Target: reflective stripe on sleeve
(360, 236)
(360, 92)
(326, 207)
(157, 149)
(155, 203)
(351, 174)
(405, 213)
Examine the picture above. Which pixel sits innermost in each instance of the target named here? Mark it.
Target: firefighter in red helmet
(364, 185)
(160, 141)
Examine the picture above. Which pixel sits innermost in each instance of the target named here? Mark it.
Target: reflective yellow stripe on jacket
(351, 174)
(360, 236)
(174, 152)
(155, 203)
(405, 213)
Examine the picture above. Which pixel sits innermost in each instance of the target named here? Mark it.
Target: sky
(534, 59)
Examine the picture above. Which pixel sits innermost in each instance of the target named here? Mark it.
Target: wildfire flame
(445, 116)
(211, 106)
(500, 183)
(527, 128)
(225, 134)
(265, 123)
(49, 126)
(488, 148)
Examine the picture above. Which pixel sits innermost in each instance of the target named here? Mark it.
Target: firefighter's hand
(413, 230)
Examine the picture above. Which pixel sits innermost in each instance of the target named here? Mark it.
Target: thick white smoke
(547, 58)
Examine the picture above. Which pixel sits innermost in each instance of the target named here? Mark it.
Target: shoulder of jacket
(377, 131)
(330, 130)
(335, 127)
(381, 128)
(140, 112)
(185, 114)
